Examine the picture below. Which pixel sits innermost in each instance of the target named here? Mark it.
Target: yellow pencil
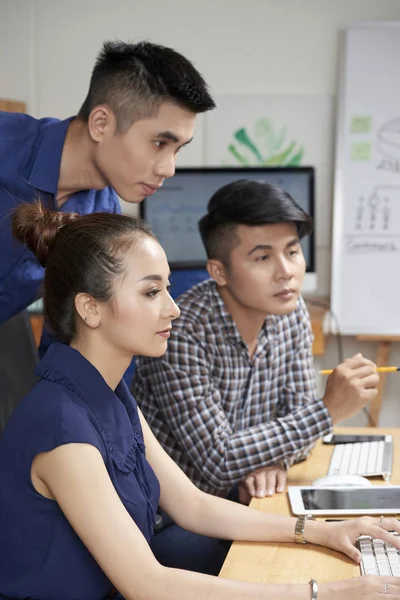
(378, 370)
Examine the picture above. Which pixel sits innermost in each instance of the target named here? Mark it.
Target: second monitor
(173, 213)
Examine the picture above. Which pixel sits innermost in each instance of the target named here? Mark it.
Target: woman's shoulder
(52, 415)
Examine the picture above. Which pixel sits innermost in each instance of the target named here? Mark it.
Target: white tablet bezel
(297, 506)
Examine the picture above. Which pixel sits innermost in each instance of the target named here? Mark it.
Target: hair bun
(37, 227)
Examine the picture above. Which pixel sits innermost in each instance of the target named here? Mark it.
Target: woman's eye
(159, 144)
(262, 258)
(152, 293)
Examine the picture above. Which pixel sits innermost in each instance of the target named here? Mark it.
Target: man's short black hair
(134, 79)
(247, 202)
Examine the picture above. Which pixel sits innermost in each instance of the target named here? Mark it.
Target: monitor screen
(174, 211)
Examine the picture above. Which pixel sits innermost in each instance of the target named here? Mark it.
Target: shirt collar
(268, 330)
(220, 314)
(46, 168)
(66, 366)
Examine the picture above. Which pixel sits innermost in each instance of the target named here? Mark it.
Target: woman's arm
(205, 514)
(215, 517)
(76, 477)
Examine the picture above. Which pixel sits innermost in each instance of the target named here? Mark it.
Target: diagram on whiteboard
(389, 139)
(388, 144)
(376, 227)
(373, 212)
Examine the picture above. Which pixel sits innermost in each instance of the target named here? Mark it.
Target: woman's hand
(367, 587)
(343, 536)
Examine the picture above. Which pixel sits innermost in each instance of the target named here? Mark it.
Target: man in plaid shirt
(234, 399)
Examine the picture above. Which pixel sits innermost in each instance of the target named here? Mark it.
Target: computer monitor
(173, 213)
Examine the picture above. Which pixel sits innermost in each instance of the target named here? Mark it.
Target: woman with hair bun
(81, 473)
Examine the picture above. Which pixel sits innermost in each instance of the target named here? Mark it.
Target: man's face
(266, 269)
(136, 162)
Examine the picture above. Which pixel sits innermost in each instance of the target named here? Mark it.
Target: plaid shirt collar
(224, 320)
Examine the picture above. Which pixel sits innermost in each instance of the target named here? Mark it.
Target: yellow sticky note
(361, 124)
(360, 151)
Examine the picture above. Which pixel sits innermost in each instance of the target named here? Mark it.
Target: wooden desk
(37, 326)
(295, 563)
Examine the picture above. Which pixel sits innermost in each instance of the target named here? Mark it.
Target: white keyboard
(363, 458)
(378, 557)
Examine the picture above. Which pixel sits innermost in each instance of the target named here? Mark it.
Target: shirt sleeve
(63, 422)
(300, 389)
(181, 387)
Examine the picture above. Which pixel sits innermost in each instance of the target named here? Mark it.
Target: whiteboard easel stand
(382, 360)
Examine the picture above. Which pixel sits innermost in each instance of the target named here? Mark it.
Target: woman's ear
(217, 271)
(87, 309)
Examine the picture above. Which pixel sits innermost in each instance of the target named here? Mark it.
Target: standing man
(139, 112)
(234, 399)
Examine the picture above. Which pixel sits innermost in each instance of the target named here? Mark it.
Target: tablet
(373, 500)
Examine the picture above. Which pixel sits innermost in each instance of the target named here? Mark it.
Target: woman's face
(138, 318)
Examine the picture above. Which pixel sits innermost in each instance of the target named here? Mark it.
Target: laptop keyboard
(378, 557)
(363, 458)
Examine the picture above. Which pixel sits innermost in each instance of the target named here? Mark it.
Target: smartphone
(351, 439)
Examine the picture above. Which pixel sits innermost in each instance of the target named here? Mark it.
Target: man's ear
(217, 271)
(87, 309)
(101, 123)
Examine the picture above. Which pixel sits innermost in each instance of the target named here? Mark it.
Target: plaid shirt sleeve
(301, 387)
(193, 409)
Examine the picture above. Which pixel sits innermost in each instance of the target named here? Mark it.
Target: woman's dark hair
(247, 202)
(133, 80)
(82, 254)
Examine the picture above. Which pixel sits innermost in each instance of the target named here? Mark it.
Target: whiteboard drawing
(374, 212)
(373, 204)
(386, 213)
(389, 139)
(360, 213)
(368, 245)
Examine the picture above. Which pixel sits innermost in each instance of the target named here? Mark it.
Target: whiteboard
(366, 218)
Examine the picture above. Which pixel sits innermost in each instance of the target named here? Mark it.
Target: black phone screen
(352, 439)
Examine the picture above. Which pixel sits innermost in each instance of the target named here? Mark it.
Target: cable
(339, 341)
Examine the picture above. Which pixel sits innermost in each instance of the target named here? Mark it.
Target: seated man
(234, 399)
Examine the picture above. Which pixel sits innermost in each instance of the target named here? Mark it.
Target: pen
(378, 370)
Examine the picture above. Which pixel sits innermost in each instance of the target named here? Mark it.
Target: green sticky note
(361, 124)
(360, 151)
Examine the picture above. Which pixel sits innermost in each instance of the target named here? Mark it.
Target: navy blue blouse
(41, 556)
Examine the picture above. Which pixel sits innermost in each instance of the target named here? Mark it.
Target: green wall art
(266, 147)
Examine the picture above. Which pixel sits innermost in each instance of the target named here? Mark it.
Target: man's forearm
(264, 445)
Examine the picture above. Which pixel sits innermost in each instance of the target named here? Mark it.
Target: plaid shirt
(221, 414)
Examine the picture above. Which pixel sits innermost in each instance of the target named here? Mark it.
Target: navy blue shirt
(30, 158)
(41, 556)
